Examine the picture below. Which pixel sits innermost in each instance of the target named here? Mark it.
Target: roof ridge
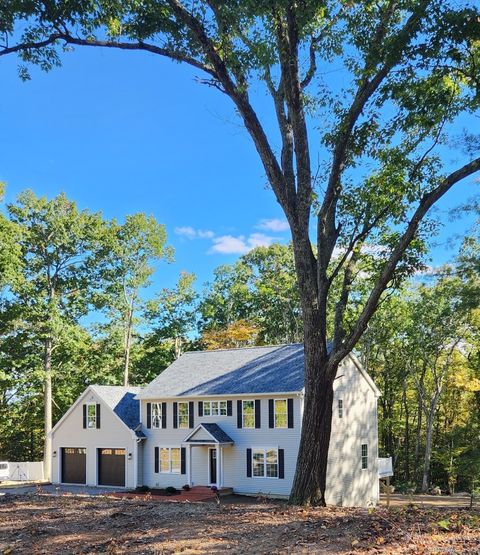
(241, 348)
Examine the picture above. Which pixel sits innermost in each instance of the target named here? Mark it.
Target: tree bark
(309, 484)
(47, 367)
(428, 442)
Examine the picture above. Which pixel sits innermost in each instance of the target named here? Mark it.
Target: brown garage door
(111, 467)
(74, 465)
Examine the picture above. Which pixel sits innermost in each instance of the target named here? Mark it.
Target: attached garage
(111, 467)
(74, 465)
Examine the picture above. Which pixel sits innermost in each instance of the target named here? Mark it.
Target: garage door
(74, 465)
(111, 467)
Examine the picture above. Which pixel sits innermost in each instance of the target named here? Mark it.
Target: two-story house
(232, 418)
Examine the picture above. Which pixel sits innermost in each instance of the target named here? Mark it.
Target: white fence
(23, 471)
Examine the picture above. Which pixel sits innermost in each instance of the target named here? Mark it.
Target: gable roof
(123, 402)
(231, 371)
(250, 370)
(214, 431)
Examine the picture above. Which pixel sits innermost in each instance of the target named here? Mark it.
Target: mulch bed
(69, 525)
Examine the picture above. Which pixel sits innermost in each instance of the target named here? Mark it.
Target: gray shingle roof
(214, 430)
(277, 369)
(122, 400)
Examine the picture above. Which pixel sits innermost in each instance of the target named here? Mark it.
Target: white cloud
(192, 233)
(205, 234)
(274, 225)
(228, 244)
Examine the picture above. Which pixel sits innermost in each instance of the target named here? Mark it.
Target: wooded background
(74, 302)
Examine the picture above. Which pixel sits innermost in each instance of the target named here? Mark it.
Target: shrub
(186, 487)
(142, 489)
(171, 490)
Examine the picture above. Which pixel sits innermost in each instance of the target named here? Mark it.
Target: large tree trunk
(47, 367)
(311, 473)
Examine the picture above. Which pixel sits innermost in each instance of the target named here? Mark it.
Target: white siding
(112, 434)
(347, 483)
(234, 457)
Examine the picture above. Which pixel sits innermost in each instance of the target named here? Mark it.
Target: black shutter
(156, 459)
(281, 463)
(164, 415)
(271, 413)
(183, 462)
(200, 408)
(239, 414)
(97, 419)
(84, 416)
(191, 416)
(249, 463)
(229, 408)
(175, 415)
(258, 423)
(290, 412)
(149, 415)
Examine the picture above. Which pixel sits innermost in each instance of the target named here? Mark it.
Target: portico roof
(208, 434)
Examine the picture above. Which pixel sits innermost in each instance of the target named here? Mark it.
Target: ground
(68, 524)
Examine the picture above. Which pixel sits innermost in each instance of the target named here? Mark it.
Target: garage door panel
(111, 467)
(74, 465)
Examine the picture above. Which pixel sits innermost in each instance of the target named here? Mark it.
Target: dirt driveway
(70, 524)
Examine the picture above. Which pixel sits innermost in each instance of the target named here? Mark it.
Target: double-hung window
(248, 414)
(156, 415)
(215, 408)
(91, 415)
(183, 415)
(281, 418)
(265, 463)
(364, 456)
(170, 460)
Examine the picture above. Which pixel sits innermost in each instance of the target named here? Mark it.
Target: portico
(213, 440)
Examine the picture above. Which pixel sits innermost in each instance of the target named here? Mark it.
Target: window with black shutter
(239, 414)
(183, 462)
(164, 415)
(156, 460)
(191, 416)
(149, 415)
(258, 420)
(249, 463)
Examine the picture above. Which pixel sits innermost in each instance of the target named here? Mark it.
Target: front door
(213, 466)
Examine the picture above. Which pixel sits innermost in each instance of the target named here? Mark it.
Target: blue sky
(129, 132)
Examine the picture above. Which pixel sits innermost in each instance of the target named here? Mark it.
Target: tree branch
(427, 201)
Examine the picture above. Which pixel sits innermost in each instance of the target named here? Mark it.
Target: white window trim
(265, 449)
(243, 414)
(178, 414)
(94, 427)
(160, 416)
(218, 402)
(362, 456)
(275, 414)
(169, 471)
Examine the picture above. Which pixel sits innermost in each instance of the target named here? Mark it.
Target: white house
(98, 441)
(229, 417)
